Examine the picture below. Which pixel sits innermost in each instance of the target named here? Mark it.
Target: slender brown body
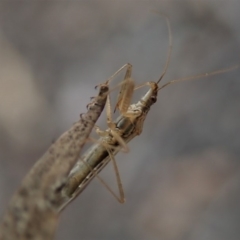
(96, 158)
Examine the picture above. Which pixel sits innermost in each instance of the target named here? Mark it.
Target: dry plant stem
(32, 212)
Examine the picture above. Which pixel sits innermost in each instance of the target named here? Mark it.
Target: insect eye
(105, 87)
(154, 99)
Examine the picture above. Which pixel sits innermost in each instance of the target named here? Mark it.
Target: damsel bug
(128, 125)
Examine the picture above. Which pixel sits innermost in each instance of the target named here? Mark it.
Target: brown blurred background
(182, 175)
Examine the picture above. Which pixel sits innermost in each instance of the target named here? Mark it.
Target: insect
(127, 126)
(32, 210)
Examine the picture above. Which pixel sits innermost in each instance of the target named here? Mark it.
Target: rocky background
(182, 175)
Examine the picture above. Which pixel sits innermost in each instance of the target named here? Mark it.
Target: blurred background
(182, 175)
